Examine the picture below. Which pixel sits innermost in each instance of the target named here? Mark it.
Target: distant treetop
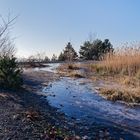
(68, 53)
(95, 50)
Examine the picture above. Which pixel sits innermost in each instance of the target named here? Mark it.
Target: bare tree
(10, 72)
(54, 58)
(38, 57)
(7, 47)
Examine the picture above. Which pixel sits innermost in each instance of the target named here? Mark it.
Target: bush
(10, 73)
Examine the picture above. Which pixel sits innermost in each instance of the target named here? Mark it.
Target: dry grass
(76, 75)
(127, 95)
(70, 70)
(124, 66)
(125, 61)
(68, 67)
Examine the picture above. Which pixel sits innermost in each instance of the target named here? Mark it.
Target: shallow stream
(78, 99)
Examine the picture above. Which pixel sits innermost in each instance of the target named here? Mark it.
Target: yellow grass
(125, 61)
(128, 95)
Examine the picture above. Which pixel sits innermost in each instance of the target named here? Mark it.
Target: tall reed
(124, 61)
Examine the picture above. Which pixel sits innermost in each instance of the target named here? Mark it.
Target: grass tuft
(123, 95)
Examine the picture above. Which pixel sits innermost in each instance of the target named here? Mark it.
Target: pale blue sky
(47, 25)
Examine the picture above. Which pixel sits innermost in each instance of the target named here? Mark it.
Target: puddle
(83, 103)
(51, 67)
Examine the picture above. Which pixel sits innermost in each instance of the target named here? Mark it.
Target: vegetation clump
(68, 53)
(129, 96)
(72, 67)
(10, 73)
(76, 75)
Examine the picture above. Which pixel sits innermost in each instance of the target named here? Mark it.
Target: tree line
(90, 50)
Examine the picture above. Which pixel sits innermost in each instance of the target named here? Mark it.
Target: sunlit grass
(125, 61)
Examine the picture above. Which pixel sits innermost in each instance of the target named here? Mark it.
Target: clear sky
(47, 25)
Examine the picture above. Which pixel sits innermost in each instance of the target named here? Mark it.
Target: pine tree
(10, 73)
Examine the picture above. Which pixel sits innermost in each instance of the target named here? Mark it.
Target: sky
(47, 25)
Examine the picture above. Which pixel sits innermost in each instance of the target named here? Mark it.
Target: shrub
(10, 73)
(130, 96)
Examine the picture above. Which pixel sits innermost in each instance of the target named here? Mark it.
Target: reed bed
(125, 61)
